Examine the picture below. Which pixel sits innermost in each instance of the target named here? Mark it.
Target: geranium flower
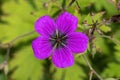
(59, 39)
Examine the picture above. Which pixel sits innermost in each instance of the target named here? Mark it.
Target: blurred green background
(17, 17)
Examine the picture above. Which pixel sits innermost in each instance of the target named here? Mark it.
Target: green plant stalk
(91, 69)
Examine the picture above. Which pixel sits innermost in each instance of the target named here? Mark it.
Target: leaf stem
(9, 44)
(113, 39)
(72, 1)
(91, 69)
(19, 37)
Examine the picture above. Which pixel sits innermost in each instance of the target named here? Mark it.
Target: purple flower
(59, 39)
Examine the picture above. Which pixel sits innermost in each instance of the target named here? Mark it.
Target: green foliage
(105, 28)
(107, 5)
(74, 72)
(111, 79)
(96, 17)
(18, 16)
(18, 19)
(26, 65)
(113, 65)
(2, 75)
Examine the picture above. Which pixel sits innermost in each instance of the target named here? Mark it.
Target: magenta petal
(66, 22)
(63, 57)
(45, 25)
(77, 42)
(41, 47)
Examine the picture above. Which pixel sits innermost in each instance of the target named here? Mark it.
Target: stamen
(58, 39)
(64, 36)
(57, 33)
(63, 44)
(52, 39)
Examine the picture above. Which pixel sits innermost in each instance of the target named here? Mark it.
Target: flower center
(58, 39)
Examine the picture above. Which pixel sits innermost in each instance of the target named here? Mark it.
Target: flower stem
(90, 74)
(91, 69)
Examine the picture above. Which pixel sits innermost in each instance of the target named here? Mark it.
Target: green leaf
(114, 66)
(84, 3)
(26, 65)
(105, 28)
(112, 70)
(20, 18)
(101, 44)
(74, 72)
(96, 17)
(110, 79)
(2, 75)
(107, 5)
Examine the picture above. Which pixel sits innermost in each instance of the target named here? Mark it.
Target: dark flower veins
(59, 39)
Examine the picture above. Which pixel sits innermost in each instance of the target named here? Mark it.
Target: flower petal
(45, 25)
(66, 22)
(63, 57)
(77, 42)
(41, 47)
